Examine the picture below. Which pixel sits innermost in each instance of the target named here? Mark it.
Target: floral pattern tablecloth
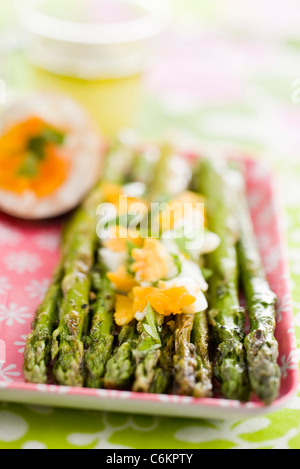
(226, 73)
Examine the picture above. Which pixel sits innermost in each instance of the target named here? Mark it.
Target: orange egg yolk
(164, 302)
(150, 262)
(120, 237)
(32, 159)
(122, 280)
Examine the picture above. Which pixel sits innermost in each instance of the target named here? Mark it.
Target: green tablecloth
(226, 73)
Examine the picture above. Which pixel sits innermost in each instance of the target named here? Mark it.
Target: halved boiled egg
(51, 155)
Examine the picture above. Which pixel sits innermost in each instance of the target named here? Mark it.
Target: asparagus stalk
(38, 349)
(164, 373)
(147, 353)
(261, 345)
(193, 368)
(226, 317)
(188, 378)
(67, 341)
(133, 356)
(159, 186)
(204, 372)
(38, 343)
(165, 185)
(153, 354)
(99, 340)
(80, 244)
(185, 362)
(121, 366)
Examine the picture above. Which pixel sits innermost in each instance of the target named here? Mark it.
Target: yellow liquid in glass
(111, 103)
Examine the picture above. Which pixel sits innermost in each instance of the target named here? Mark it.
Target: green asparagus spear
(120, 367)
(38, 343)
(37, 353)
(162, 380)
(226, 317)
(204, 371)
(164, 187)
(130, 353)
(159, 185)
(147, 353)
(99, 340)
(67, 341)
(261, 345)
(187, 374)
(153, 374)
(80, 244)
(185, 362)
(193, 368)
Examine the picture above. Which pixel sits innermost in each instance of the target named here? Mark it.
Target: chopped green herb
(29, 167)
(36, 151)
(38, 143)
(53, 136)
(151, 326)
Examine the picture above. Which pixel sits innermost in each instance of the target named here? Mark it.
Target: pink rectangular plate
(28, 255)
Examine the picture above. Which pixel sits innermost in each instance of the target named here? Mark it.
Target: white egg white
(111, 259)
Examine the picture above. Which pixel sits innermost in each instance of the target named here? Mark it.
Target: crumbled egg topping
(151, 263)
(154, 271)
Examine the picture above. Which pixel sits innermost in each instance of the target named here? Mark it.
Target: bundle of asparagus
(151, 322)
(149, 356)
(241, 364)
(60, 324)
